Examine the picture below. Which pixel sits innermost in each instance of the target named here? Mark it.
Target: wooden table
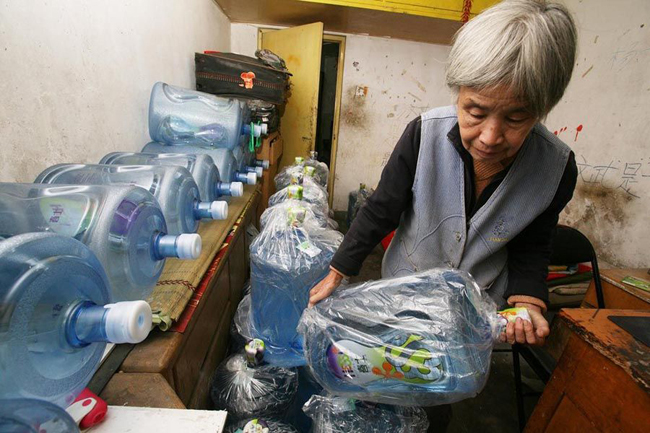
(602, 381)
(618, 294)
(172, 369)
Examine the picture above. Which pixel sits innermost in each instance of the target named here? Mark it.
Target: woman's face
(493, 123)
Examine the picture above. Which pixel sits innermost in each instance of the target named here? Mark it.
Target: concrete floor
(495, 409)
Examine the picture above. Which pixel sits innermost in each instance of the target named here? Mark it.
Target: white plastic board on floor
(123, 419)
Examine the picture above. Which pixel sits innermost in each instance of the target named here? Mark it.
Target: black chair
(569, 246)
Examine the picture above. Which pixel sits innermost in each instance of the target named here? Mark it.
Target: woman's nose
(492, 133)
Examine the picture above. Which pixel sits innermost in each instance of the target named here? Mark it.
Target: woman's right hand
(324, 288)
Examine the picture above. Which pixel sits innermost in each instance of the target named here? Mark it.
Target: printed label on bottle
(256, 426)
(410, 362)
(69, 216)
(294, 192)
(309, 249)
(511, 315)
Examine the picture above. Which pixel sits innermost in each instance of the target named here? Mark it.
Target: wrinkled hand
(324, 288)
(525, 332)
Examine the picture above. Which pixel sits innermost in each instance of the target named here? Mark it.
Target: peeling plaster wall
(75, 75)
(604, 118)
(386, 84)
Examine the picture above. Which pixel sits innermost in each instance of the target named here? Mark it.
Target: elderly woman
(479, 186)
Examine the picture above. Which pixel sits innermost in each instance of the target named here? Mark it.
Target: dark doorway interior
(326, 101)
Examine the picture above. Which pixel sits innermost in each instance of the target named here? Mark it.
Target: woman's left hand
(524, 332)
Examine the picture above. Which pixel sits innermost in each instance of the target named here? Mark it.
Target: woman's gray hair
(528, 46)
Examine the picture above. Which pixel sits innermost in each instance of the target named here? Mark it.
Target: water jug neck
(185, 246)
(264, 163)
(247, 178)
(215, 210)
(234, 189)
(259, 171)
(122, 322)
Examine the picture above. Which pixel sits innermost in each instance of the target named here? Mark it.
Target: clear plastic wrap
(314, 214)
(259, 425)
(343, 415)
(308, 192)
(424, 339)
(322, 170)
(247, 388)
(285, 177)
(288, 258)
(356, 200)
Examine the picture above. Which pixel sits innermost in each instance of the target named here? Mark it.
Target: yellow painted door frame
(337, 103)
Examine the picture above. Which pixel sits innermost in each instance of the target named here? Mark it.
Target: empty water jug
(247, 387)
(205, 173)
(424, 339)
(122, 225)
(288, 258)
(244, 162)
(183, 116)
(56, 316)
(34, 416)
(343, 415)
(173, 187)
(223, 159)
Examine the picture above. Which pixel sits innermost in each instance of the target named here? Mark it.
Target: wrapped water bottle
(223, 159)
(307, 192)
(288, 258)
(287, 175)
(173, 187)
(205, 173)
(34, 416)
(123, 225)
(322, 170)
(314, 214)
(56, 317)
(258, 425)
(183, 116)
(344, 415)
(424, 339)
(247, 387)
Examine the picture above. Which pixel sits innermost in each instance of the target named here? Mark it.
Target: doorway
(329, 100)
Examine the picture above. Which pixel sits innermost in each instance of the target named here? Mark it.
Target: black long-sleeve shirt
(528, 252)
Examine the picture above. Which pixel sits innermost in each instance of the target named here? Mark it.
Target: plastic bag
(424, 339)
(259, 425)
(288, 258)
(285, 177)
(308, 192)
(356, 200)
(314, 214)
(342, 415)
(247, 388)
(322, 170)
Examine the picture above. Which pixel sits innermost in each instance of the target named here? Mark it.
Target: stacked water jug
(82, 248)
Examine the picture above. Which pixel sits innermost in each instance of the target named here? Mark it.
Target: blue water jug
(244, 162)
(423, 339)
(122, 225)
(183, 116)
(173, 187)
(343, 415)
(223, 159)
(247, 387)
(288, 258)
(56, 316)
(205, 173)
(34, 416)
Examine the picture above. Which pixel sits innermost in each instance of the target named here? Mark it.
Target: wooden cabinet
(618, 294)
(602, 381)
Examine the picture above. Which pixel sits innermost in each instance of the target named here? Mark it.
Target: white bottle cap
(266, 164)
(188, 246)
(259, 171)
(219, 210)
(128, 322)
(265, 128)
(236, 189)
(251, 178)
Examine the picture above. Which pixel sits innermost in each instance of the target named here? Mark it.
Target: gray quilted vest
(434, 231)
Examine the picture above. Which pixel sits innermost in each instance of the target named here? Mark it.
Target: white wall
(75, 75)
(610, 97)
(400, 80)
